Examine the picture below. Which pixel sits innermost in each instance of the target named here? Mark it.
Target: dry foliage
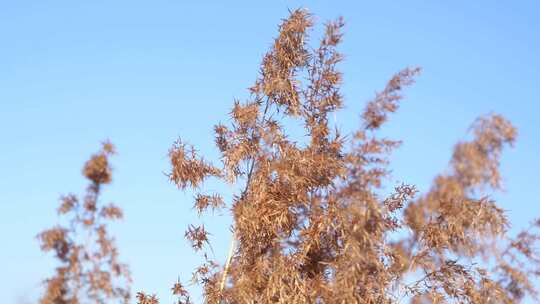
(310, 225)
(89, 270)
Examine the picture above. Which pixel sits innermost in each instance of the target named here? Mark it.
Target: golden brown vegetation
(89, 270)
(310, 225)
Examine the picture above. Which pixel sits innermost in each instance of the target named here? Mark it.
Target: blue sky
(142, 73)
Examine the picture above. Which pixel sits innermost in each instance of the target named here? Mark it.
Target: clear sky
(142, 73)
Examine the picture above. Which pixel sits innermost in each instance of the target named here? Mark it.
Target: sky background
(142, 73)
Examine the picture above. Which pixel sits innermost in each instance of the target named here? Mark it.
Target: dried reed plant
(88, 270)
(310, 225)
